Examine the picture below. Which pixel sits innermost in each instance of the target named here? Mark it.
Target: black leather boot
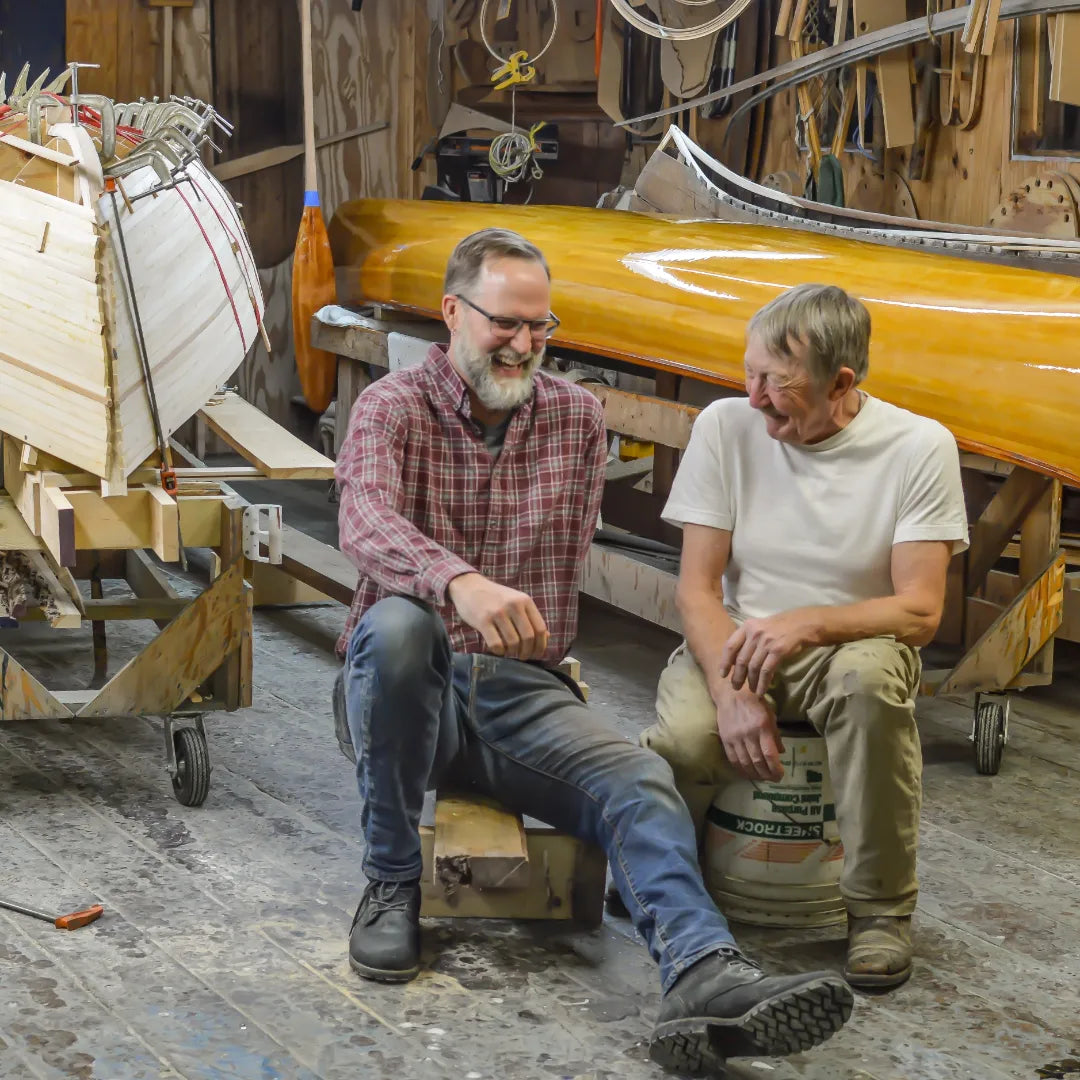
(725, 1006)
(384, 943)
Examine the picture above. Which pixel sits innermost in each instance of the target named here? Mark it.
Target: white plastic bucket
(773, 855)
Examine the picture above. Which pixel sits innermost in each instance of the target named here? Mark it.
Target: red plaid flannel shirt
(422, 501)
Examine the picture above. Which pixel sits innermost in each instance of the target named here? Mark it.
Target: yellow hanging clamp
(514, 71)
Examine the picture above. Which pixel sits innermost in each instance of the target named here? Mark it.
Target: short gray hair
(834, 327)
(468, 258)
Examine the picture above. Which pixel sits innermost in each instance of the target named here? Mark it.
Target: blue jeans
(421, 715)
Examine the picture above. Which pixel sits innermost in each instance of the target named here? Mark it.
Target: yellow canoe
(991, 352)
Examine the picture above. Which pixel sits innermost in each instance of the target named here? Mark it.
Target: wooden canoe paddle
(313, 266)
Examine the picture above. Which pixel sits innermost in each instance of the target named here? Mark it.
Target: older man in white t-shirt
(818, 523)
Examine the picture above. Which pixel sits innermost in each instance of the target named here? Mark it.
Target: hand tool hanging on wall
(61, 922)
(313, 266)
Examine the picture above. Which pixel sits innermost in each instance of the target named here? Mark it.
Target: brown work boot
(879, 951)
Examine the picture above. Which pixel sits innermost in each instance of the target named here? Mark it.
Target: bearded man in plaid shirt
(470, 488)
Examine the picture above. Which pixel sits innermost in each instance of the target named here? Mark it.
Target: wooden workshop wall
(125, 38)
(368, 68)
(970, 172)
(244, 56)
(562, 91)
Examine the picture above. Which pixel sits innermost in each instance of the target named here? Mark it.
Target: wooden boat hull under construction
(989, 351)
(103, 289)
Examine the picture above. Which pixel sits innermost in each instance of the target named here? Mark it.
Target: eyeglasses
(507, 326)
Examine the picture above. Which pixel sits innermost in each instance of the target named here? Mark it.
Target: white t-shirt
(816, 524)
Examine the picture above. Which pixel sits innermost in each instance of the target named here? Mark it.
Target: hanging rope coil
(511, 155)
(532, 59)
(682, 33)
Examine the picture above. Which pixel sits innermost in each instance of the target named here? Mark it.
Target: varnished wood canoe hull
(989, 351)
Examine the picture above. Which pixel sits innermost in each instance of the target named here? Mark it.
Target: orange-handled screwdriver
(61, 922)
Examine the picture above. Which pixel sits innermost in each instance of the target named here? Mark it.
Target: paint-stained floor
(222, 953)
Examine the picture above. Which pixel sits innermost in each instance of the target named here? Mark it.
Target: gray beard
(499, 395)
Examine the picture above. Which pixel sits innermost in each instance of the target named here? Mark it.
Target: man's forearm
(706, 627)
(389, 549)
(901, 617)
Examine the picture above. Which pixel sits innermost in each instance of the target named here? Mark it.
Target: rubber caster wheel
(990, 734)
(191, 784)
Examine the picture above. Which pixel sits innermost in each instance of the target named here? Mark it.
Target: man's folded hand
(509, 621)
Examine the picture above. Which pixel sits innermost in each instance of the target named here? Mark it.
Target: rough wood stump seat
(482, 861)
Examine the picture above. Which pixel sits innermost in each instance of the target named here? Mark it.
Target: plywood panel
(126, 38)
(368, 67)
(192, 64)
(93, 37)
(138, 46)
(257, 87)
(363, 73)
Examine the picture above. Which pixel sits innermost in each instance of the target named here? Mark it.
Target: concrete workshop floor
(222, 953)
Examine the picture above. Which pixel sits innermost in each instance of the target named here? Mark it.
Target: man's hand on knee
(509, 621)
(747, 727)
(756, 649)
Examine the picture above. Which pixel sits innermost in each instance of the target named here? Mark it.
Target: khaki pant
(860, 696)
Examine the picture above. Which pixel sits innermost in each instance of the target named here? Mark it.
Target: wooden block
(973, 24)
(253, 435)
(566, 881)
(58, 525)
(200, 520)
(843, 8)
(478, 843)
(570, 666)
(164, 524)
(1040, 533)
(229, 680)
